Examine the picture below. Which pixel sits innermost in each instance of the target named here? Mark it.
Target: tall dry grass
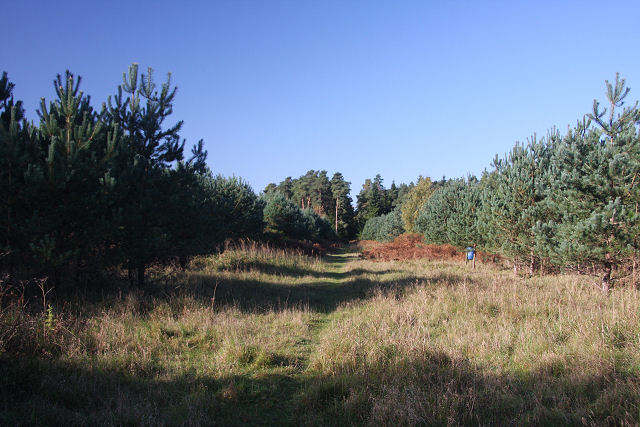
(258, 335)
(457, 347)
(167, 354)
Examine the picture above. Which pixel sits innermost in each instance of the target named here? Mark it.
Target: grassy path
(336, 279)
(330, 289)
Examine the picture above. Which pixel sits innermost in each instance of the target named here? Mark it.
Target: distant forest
(89, 189)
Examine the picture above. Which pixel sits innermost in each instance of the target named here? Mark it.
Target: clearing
(264, 336)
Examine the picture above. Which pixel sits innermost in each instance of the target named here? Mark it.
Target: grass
(264, 336)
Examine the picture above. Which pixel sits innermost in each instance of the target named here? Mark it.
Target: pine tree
(434, 214)
(148, 151)
(270, 188)
(322, 198)
(450, 215)
(511, 206)
(236, 208)
(286, 187)
(283, 219)
(596, 187)
(343, 209)
(16, 138)
(302, 189)
(383, 228)
(69, 219)
(401, 195)
(462, 226)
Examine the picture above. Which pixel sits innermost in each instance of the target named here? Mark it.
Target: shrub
(383, 228)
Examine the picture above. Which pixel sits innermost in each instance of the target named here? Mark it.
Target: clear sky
(399, 88)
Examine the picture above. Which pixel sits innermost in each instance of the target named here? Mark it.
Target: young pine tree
(148, 151)
(70, 218)
(596, 187)
(16, 152)
(511, 204)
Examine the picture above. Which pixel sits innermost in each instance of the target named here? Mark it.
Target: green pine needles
(560, 201)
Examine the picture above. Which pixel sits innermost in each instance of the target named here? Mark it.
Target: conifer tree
(343, 209)
(462, 226)
(16, 137)
(148, 151)
(322, 199)
(511, 206)
(237, 210)
(450, 216)
(283, 218)
(270, 188)
(302, 189)
(372, 201)
(286, 187)
(401, 194)
(596, 187)
(69, 220)
(383, 228)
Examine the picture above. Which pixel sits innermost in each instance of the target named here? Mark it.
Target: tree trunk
(130, 274)
(474, 257)
(606, 279)
(515, 266)
(141, 268)
(77, 271)
(337, 204)
(9, 248)
(532, 264)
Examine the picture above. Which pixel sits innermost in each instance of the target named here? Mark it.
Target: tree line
(89, 189)
(560, 201)
(330, 198)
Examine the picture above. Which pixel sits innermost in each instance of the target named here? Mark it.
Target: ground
(262, 336)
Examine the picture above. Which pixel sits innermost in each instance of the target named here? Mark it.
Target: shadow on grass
(263, 294)
(434, 389)
(431, 389)
(320, 296)
(41, 392)
(324, 297)
(323, 292)
(297, 272)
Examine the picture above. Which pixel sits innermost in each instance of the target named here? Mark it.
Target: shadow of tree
(39, 392)
(428, 389)
(297, 272)
(319, 296)
(435, 389)
(261, 295)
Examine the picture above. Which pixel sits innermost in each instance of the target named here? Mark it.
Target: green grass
(264, 336)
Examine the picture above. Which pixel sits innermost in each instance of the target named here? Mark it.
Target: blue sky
(399, 88)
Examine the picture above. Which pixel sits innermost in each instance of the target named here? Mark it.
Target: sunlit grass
(466, 347)
(264, 336)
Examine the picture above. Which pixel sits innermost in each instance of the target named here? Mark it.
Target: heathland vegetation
(561, 202)
(139, 287)
(268, 336)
